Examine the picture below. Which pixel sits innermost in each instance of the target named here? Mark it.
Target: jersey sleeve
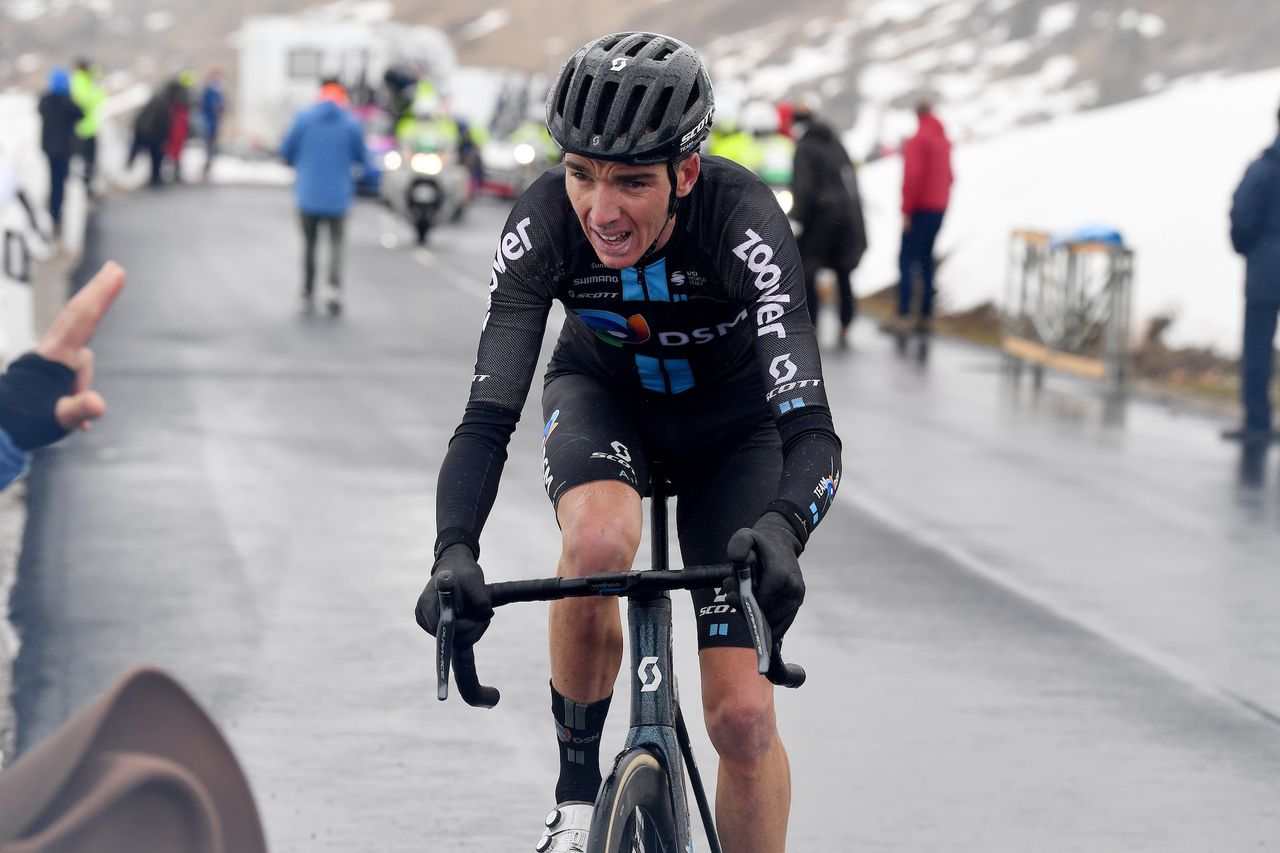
(13, 460)
(521, 286)
(760, 264)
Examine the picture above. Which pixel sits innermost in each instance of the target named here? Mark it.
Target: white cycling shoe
(567, 827)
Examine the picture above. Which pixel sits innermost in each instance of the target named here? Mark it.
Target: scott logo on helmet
(618, 64)
(759, 258)
(697, 128)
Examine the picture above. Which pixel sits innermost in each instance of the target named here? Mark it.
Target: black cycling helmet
(639, 98)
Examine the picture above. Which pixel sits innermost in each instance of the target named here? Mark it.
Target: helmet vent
(561, 97)
(694, 95)
(583, 91)
(607, 96)
(633, 105)
(660, 108)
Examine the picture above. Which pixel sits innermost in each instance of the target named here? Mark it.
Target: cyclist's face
(623, 208)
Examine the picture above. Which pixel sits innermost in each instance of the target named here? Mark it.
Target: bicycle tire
(634, 812)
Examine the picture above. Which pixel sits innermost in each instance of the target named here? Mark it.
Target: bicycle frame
(655, 703)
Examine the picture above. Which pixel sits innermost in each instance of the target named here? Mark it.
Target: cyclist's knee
(603, 546)
(742, 725)
(600, 525)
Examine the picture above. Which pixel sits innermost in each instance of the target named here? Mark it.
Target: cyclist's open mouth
(616, 245)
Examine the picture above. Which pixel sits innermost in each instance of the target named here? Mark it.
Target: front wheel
(633, 813)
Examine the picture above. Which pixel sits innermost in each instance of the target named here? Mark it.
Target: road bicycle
(641, 806)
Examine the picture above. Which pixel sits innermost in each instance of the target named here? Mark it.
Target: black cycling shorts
(721, 453)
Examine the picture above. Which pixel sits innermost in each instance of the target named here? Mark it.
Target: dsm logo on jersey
(614, 329)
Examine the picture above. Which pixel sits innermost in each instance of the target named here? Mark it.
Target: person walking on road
(151, 132)
(323, 144)
(48, 392)
(58, 115)
(212, 105)
(89, 96)
(1255, 233)
(179, 96)
(926, 191)
(828, 209)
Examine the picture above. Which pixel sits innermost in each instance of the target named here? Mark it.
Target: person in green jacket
(89, 96)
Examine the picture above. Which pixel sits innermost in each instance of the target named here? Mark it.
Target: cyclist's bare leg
(753, 791)
(600, 524)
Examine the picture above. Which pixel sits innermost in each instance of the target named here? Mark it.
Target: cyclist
(686, 339)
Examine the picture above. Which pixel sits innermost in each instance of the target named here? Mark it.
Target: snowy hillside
(1161, 169)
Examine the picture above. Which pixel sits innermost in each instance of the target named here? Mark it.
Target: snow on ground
(1161, 169)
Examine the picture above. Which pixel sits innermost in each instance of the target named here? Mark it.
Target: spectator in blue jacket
(48, 392)
(212, 105)
(1255, 233)
(323, 144)
(58, 118)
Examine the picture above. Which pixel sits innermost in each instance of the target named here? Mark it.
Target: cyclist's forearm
(469, 475)
(810, 473)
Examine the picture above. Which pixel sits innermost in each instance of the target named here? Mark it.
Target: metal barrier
(1067, 307)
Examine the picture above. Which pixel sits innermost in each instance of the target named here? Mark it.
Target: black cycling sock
(578, 727)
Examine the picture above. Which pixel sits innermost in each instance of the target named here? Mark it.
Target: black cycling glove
(29, 393)
(472, 607)
(775, 549)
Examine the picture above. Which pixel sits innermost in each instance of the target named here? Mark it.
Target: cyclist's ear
(687, 171)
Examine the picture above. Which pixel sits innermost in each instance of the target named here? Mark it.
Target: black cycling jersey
(721, 303)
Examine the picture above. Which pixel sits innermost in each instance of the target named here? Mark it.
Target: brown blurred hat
(142, 768)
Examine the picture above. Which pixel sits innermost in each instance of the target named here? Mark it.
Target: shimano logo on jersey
(510, 248)
(759, 258)
(697, 128)
(595, 279)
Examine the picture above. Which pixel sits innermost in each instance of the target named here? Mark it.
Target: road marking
(456, 279)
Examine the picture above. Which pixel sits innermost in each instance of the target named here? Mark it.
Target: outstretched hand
(66, 343)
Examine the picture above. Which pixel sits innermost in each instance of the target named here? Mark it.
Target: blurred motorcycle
(426, 183)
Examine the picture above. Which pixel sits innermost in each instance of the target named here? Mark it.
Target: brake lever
(757, 627)
(769, 662)
(444, 633)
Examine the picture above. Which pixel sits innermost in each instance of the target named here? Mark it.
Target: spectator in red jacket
(179, 93)
(926, 189)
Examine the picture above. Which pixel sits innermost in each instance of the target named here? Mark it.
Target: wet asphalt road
(1025, 630)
